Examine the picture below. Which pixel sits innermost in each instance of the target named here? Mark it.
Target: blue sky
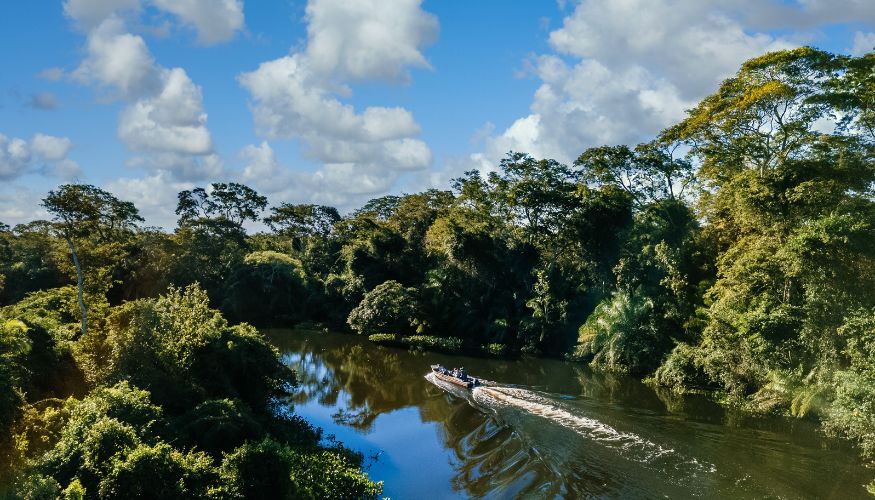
(336, 102)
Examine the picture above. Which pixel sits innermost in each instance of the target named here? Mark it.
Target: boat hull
(453, 380)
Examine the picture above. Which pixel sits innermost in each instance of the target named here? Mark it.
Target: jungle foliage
(733, 254)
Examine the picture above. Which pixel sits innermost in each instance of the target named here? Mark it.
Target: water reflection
(554, 430)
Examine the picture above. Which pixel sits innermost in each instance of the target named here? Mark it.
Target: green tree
(388, 308)
(210, 235)
(788, 202)
(300, 222)
(232, 202)
(82, 211)
(621, 336)
(651, 172)
(534, 194)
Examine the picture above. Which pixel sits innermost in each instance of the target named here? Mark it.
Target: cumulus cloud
(182, 167)
(90, 13)
(624, 70)
(118, 60)
(164, 120)
(19, 156)
(20, 204)
(50, 148)
(635, 67)
(171, 121)
(342, 185)
(290, 101)
(262, 168)
(298, 96)
(14, 157)
(214, 20)
(368, 39)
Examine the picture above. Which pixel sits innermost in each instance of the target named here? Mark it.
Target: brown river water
(550, 429)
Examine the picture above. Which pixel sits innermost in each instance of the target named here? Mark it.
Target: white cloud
(182, 167)
(66, 169)
(298, 96)
(290, 101)
(20, 204)
(119, 60)
(172, 121)
(164, 119)
(215, 20)
(50, 148)
(262, 169)
(18, 156)
(343, 185)
(368, 39)
(90, 13)
(14, 157)
(863, 43)
(624, 70)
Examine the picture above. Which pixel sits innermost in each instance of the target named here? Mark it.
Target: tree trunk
(79, 285)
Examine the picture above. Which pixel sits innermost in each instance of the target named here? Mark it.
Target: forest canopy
(733, 254)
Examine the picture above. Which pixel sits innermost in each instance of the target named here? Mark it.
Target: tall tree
(210, 235)
(788, 168)
(650, 172)
(298, 222)
(232, 202)
(81, 211)
(535, 194)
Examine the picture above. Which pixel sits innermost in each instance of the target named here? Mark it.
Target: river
(550, 429)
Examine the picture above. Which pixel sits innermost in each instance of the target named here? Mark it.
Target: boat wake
(515, 406)
(629, 445)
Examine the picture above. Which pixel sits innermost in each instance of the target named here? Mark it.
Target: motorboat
(457, 376)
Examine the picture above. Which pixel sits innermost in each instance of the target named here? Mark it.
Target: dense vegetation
(734, 254)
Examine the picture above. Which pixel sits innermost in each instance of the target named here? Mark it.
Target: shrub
(430, 343)
(681, 371)
(38, 487)
(258, 470)
(852, 411)
(620, 336)
(183, 352)
(384, 338)
(14, 346)
(328, 474)
(85, 435)
(159, 471)
(55, 309)
(269, 469)
(387, 308)
(498, 350)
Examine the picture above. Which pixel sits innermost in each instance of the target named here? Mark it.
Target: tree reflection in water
(571, 432)
(364, 381)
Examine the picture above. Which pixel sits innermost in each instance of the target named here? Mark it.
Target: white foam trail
(633, 446)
